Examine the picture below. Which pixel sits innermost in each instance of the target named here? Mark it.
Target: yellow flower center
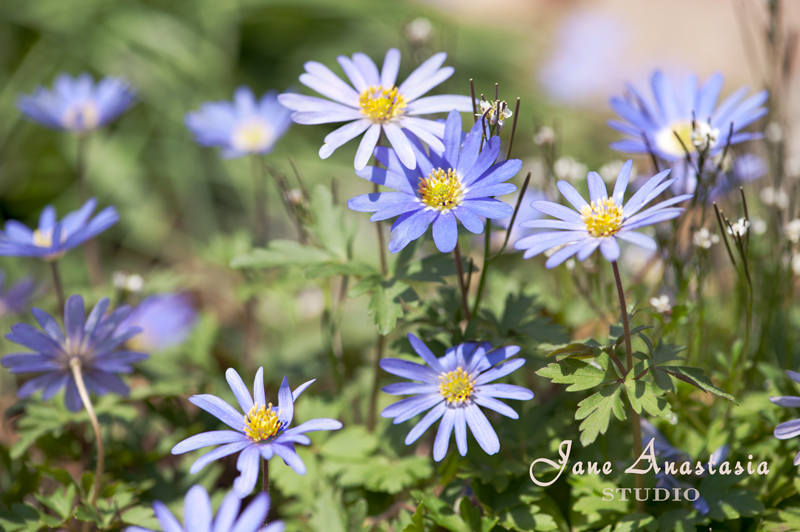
(381, 105)
(261, 423)
(442, 190)
(456, 386)
(668, 142)
(43, 239)
(602, 218)
(82, 116)
(252, 137)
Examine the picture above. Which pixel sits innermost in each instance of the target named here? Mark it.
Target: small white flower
(772, 197)
(569, 169)
(759, 226)
(133, 283)
(739, 228)
(796, 263)
(792, 231)
(610, 171)
(496, 112)
(544, 136)
(294, 196)
(703, 238)
(661, 304)
(704, 136)
(773, 132)
(570, 264)
(419, 31)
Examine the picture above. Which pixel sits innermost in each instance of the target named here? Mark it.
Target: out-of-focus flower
(457, 184)
(739, 228)
(198, 516)
(661, 304)
(703, 238)
(611, 170)
(15, 300)
(452, 388)
(568, 169)
(759, 225)
(78, 104)
(419, 31)
(675, 114)
(242, 127)
(789, 429)
(165, 320)
(600, 223)
(262, 432)
(376, 104)
(133, 283)
(733, 174)
(773, 132)
(774, 197)
(53, 238)
(94, 343)
(544, 136)
(792, 230)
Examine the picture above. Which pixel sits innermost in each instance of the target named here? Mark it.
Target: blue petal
(443, 435)
(482, 430)
(445, 232)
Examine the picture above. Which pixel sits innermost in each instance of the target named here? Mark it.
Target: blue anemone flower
(667, 453)
(690, 113)
(376, 104)
(78, 104)
(198, 515)
(242, 127)
(165, 319)
(789, 429)
(14, 300)
(454, 184)
(601, 222)
(94, 342)
(53, 238)
(452, 387)
(262, 432)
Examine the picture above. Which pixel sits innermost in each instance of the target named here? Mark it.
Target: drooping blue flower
(53, 238)
(94, 342)
(601, 222)
(198, 516)
(165, 319)
(667, 453)
(242, 127)
(690, 112)
(262, 432)
(15, 299)
(789, 429)
(376, 104)
(456, 184)
(452, 388)
(78, 104)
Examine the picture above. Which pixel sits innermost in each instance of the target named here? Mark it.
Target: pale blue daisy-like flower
(242, 127)
(602, 222)
(789, 429)
(456, 184)
(53, 238)
(262, 432)
(15, 299)
(198, 516)
(165, 319)
(452, 388)
(95, 343)
(78, 104)
(374, 103)
(688, 112)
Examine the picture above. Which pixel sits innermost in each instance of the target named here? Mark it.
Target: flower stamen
(381, 105)
(602, 217)
(262, 423)
(82, 116)
(456, 386)
(252, 136)
(442, 190)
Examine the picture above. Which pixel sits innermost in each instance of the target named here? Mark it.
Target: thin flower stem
(373, 399)
(460, 270)
(513, 130)
(474, 106)
(261, 222)
(635, 421)
(57, 286)
(75, 366)
(487, 260)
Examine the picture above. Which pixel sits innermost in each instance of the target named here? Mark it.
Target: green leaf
(431, 269)
(281, 253)
(60, 501)
(575, 350)
(596, 411)
(417, 524)
(328, 512)
(329, 269)
(697, 377)
(580, 375)
(637, 521)
(333, 230)
(642, 396)
(142, 516)
(386, 306)
(666, 352)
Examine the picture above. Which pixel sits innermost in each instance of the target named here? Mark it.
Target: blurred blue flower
(376, 104)
(262, 432)
(601, 222)
(198, 515)
(242, 127)
(455, 184)
(667, 453)
(690, 113)
(789, 429)
(94, 342)
(78, 104)
(165, 319)
(15, 299)
(53, 238)
(452, 387)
